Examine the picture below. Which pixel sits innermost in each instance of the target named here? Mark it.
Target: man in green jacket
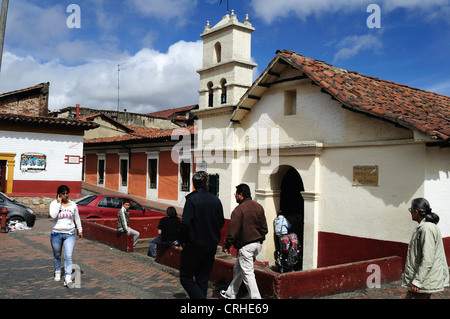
(426, 269)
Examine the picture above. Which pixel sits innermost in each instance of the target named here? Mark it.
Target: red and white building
(38, 153)
(144, 161)
(342, 154)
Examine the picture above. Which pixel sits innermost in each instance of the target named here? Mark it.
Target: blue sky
(158, 45)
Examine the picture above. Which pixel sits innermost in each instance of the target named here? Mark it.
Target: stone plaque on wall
(365, 175)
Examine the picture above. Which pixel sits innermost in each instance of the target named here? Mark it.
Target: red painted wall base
(44, 188)
(335, 249)
(300, 284)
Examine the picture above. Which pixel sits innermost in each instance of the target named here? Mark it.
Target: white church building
(340, 153)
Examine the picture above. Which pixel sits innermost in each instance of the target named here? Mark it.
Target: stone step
(142, 245)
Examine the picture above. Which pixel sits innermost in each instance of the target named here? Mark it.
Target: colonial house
(38, 153)
(144, 161)
(342, 154)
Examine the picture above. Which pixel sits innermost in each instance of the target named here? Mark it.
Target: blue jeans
(58, 241)
(153, 247)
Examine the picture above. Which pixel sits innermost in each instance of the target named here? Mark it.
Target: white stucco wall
(54, 146)
(437, 185)
(317, 118)
(378, 212)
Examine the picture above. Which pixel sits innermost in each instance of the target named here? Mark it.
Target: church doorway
(292, 203)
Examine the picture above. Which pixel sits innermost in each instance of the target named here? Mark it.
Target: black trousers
(195, 269)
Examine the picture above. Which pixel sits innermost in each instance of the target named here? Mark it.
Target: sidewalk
(26, 271)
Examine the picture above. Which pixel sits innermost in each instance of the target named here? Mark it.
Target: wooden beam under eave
(270, 72)
(295, 78)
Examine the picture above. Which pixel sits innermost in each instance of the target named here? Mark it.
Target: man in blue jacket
(201, 223)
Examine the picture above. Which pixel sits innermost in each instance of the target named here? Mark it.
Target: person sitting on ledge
(168, 230)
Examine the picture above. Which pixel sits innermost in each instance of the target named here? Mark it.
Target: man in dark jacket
(199, 235)
(246, 232)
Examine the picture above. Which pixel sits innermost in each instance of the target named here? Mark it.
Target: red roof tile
(143, 134)
(171, 113)
(409, 107)
(46, 121)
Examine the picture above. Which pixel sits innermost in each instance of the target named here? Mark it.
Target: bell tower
(227, 70)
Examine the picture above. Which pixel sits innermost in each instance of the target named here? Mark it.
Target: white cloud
(150, 80)
(270, 10)
(32, 25)
(42, 31)
(82, 67)
(352, 45)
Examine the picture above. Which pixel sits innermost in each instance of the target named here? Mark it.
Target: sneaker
(68, 282)
(57, 275)
(224, 295)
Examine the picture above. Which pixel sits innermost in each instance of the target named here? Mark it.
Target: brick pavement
(26, 271)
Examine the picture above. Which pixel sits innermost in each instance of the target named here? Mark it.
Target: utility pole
(119, 68)
(118, 89)
(3, 15)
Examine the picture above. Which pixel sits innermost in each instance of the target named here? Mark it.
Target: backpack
(281, 225)
(289, 255)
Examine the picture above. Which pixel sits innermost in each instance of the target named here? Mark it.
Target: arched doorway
(292, 203)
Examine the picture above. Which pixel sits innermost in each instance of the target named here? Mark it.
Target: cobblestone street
(26, 272)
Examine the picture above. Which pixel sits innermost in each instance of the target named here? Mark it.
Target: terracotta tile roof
(47, 121)
(173, 113)
(44, 87)
(409, 107)
(142, 135)
(91, 117)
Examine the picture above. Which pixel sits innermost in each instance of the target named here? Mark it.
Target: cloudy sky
(158, 46)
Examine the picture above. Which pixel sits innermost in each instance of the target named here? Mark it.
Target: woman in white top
(65, 215)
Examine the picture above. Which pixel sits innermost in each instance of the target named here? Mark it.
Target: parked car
(17, 212)
(107, 206)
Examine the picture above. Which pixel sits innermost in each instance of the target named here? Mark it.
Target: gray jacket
(426, 265)
(123, 220)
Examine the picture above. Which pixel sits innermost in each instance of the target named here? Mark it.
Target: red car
(107, 206)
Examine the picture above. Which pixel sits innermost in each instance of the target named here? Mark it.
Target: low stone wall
(302, 284)
(40, 205)
(104, 230)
